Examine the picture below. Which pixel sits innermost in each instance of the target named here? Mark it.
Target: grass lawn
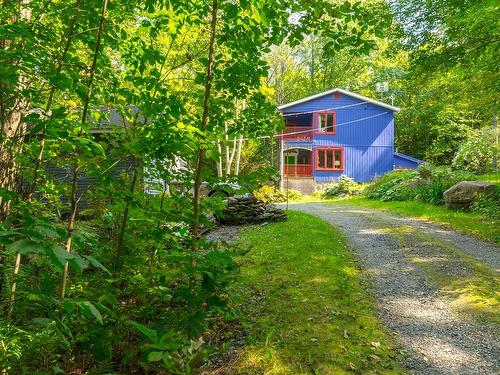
(492, 177)
(305, 309)
(482, 227)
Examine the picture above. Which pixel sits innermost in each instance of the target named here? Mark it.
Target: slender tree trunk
(59, 65)
(39, 157)
(200, 160)
(226, 138)
(240, 141)
(238, 156)
(121, 236)
(219, 161)
(313, 66)
(12, 129)
(231, 158)
(74, 203)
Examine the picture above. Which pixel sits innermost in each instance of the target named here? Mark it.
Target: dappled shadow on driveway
(411, 302)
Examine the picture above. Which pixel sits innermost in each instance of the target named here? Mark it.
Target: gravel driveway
(437, 338)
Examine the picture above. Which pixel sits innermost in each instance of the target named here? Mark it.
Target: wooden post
(282, 162)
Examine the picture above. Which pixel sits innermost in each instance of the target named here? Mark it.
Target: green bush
(426, 184)
(393, 186)
(478, 153)
(345, 185)
(431, 188)
(488, 204)
(269, 194)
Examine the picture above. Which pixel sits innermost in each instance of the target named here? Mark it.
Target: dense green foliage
(426, 184)
(271, 194)
(478, 154)
(488, 204)
(129, 95)
(345, 186)
(153, 96)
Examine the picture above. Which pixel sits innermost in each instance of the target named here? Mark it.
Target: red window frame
(326, 113)
(325, 150)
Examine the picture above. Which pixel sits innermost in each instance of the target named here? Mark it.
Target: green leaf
(148, 332)
(20, 30)
(155, 356)
(25, 246)
(95, 263)
(88, 310)
(69, 307)
(78, 262)
(44, 322)
(59, 255)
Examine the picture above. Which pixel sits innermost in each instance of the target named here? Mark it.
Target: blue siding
(366, 131)
(402, 161)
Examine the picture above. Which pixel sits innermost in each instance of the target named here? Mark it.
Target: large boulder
(462, 195)
(243, 209)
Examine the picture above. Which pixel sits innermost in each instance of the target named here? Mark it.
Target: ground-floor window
(330, 159)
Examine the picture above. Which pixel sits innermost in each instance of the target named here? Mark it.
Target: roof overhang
(409, 158)
(344, 92)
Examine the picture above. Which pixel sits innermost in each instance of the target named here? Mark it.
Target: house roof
(409, 158)
(344, 92)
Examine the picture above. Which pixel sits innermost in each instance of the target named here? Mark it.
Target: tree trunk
(238, 156)
(39, 158)
(121, 236)
(12, 129)
(219, 161)
(200, 160)
(74, 203)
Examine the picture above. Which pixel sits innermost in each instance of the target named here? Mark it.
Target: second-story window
(326, 123)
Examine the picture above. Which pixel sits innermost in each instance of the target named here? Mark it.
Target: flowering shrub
(478, 153)
(269, 194)
(345, 185)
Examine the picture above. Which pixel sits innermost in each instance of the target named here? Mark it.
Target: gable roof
(344, 92)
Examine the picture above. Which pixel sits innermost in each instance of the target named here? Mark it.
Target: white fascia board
(345, 92)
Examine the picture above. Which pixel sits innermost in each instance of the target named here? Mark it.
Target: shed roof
(409, 158)
(344, 92)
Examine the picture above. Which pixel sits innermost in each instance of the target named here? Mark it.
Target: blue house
(336, 133)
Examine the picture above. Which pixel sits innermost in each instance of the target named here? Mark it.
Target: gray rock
(462, 195)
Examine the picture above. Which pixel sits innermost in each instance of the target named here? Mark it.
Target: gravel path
(438, 339)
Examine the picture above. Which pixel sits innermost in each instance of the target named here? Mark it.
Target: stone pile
(243, 209)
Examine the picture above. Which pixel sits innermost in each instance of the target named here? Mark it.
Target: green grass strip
(306, 309)
(480, 226)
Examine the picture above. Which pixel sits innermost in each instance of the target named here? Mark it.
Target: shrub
(269, 194)
(345, 185)
(440, 179)
(426, 184)
(393, 186)
(478, 153)
(488, 204)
